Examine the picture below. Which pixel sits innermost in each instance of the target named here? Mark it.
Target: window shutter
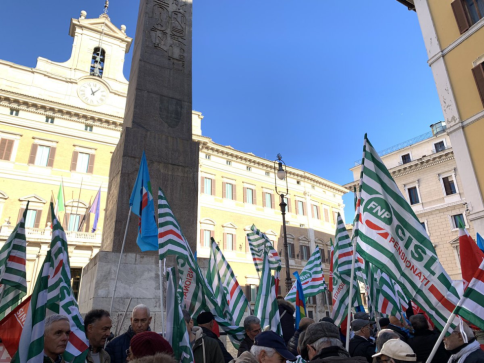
(264, 200)
(224, 191)
(50, 162)
(301, 252)
(75, 154)
(33, 154)
(247, 293)
(213, 187)
(254, 196)
(478, 73)
(288, 205)
(245, 194)
(293, 251)
(295, 207)
(6, 146)
(38, 215)
(323, 255)
(202, 185)
(460, 14)
(211, 234)
(271, 197)
(305, 213)
(87, 222)
(234, 192)
(234, 241)
(201, 237)
(225, 241)
(67, 216)
(90, 167)
(20, 213)
(319, 212)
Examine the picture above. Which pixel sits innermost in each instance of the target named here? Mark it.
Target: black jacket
(245, 346)
(422, 344)
(211, 334)
(336, 354)
(401, 332)
(477, 356)
(287, 320)
(361, 347)
(292, 344)
(117, 347)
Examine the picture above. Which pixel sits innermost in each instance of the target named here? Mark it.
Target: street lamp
(281, 174)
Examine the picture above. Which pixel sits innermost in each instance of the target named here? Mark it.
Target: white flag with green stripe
(13, 283)
(224, 284)
(176, 329)
(390, 236)
(312, 277)
(388, 302)
(258, 243)
(197, 293)
(266, 308)
(52, 294)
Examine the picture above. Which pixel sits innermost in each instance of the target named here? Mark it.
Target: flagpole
(79, 197)
(119, 263)
(161, 301)
(350, 303)
(327, 300)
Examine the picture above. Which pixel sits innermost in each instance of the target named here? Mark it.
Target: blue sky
(305, 79)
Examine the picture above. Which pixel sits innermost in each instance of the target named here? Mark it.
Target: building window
(229, 242)
(74, 220)
(290, 248)
(97, 62)
(323, 254)
(207, 156)
(207, 186)
(228, 162)
(457, 220)
(229, 191)
(467, 13)
(406, 158)
(82, 162)
(413, 195)
(206, 241)
(300, 208)
(304, 252)
(42, 157)
(475, 9)
(49, 119)
(478, 73)
(76, 281)
(268, 200)
(315, 211)
(287, 205)
(424, 225)
(249, 196)
(13, 112)
(439, 146)
(6, 147)
(253, 293)
(298, 182)
(326, 215)
(88, 128)
(267, 173)
(449, 185)
(249, 168)
(31, 218)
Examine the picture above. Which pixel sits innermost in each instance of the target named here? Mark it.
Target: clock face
(93, 93)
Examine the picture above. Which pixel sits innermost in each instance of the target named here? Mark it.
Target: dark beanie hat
(384, 321)
(149, 343)
(205, 317)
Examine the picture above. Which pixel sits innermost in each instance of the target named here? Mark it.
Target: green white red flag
(13, 283)
(390, 236)
(258, 243)
(470, 255)
(312, 278)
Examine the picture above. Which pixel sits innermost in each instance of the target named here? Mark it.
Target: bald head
(395, 321)
(304, 323)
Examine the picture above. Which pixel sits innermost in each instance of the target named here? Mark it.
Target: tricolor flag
(258, 243)
(52, 294)
(142, 204)
(311, 278)
(224, 284)
(13, 283)
(470, 255)
(300, 301)
(480, 242)
(176, 329)
(390, 236)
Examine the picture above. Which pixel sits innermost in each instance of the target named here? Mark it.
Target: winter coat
(245, 346)
(205, 349)
(292, 343)
(50, 360)
(476, 354)
(287, 320)
(422, 344)
(399, 331)
(117, 347)
(211, 334)
(361, 347)
(246, 357)
(336, 355)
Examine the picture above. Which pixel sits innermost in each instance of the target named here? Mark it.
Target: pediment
(229, 225)
(270, 232)
(304, 239)
(247, 229)
(3, 195)
(208, 221)
(34, 198)
(75, 203)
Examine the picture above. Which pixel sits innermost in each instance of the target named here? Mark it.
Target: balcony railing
(45, 234)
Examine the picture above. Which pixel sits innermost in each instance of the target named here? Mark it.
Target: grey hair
(256, 350)
(54, 318)
(142, 307)
(385, 335)
(186, 316)
(320, 343)
(251, 319)
(419, 323)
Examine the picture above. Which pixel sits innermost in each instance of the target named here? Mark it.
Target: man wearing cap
(360, 345)
(463, 346)
(324, 345)
(268, 347)
(206, 321)
(395, 351)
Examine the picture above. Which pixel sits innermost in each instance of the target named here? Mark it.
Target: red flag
(11, 326)
(470, 256)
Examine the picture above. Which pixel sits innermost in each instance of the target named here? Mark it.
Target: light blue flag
(142, 204)
(480, 242)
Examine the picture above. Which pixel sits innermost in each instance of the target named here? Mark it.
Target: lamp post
(281, 174)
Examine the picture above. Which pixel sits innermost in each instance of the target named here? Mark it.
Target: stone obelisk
(158, 121)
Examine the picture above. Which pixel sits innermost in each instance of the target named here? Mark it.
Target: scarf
(462, 354)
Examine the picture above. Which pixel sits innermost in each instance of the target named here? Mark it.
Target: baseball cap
(359, 324)
(320, 330)
(396, 349)
(270, 339)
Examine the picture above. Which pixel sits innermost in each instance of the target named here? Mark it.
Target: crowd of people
(314, 342)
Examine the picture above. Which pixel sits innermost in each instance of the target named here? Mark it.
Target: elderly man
(56, 336)
(463, 346)
(140, 322)
(360, 345)
(396, 351)
(206, 321)
(384, 336)
(97, 325)
(268, 347)
(252, 328)
(424, 340)
(323, 344)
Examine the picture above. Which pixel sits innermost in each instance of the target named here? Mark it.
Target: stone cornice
(207, 145)
(59, 110)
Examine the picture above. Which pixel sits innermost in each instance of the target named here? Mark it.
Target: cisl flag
(11, 327)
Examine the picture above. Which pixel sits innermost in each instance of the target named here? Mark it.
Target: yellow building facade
(453, 32)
